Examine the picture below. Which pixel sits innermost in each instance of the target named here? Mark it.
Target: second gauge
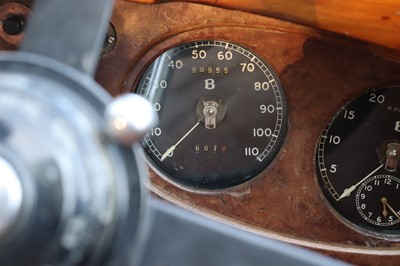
(223, 114)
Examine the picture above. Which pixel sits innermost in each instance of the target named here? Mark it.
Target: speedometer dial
(358, 163)
(222, 110)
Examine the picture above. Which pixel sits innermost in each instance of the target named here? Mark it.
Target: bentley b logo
(397, 127)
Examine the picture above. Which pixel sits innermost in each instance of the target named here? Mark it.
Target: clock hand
(384, 201)
(384, 212)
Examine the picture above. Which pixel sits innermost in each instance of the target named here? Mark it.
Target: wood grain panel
(376, 21)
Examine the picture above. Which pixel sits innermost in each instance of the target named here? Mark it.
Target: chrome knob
(10, 195)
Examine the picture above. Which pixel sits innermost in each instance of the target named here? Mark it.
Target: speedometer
(222, 110)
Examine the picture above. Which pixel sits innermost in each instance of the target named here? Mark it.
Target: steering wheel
(71, 178)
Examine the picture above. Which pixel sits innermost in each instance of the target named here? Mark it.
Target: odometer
(222, 110)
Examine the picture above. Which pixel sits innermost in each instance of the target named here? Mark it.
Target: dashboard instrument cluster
(281, 129)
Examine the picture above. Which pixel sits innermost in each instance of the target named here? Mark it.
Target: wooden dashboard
(320, 71)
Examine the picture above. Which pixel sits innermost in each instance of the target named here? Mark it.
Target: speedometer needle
(172, 148)
(348, 191)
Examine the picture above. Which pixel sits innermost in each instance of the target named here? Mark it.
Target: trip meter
(222, 110)
(358, 163)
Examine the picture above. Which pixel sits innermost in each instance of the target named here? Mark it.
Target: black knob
(14, 25)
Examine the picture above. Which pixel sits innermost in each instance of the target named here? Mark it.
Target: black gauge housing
(223, 114)
(358, 165)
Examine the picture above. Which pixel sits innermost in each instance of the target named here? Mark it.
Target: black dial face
(358, 162)
(378, 200)
(222, 110)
